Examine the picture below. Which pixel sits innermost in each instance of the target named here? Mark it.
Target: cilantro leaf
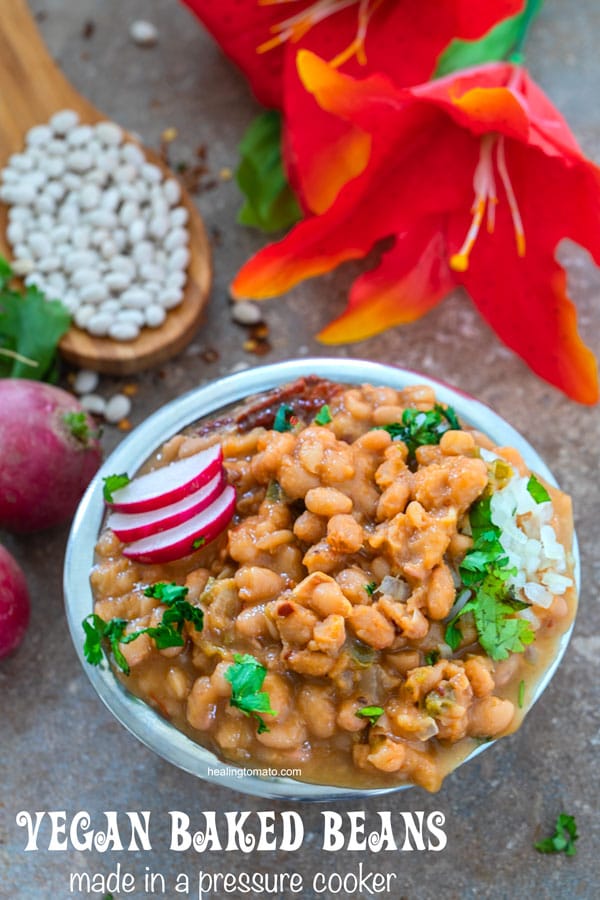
(113, 483)
(485, 571)
(30, 328)
(282, 418)
(432, 657)
(198, 542)
(270, 203)
(563, 839)
(419, 428)
(371, 587)
(323, 417)
(521, 696)
(246, 676)
(372, 713)
(168, 633)
(537, 490)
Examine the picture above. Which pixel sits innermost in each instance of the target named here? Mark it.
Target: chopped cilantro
(30, 328)
(113, 483)
(521, 697)
(485, 571)
(537, 490)
(372, 713)
(563, 839)
(370, 588)
(283, 418)
(432, 657)
(418, 428)
(168, 633)
(198, 542)
(77, 424)
(274, 491)
(323, 417)
(246, 676)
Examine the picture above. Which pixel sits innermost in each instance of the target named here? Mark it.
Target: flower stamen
(295, 27)
(486, 197)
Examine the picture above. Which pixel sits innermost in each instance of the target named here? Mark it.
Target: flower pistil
(486, 198)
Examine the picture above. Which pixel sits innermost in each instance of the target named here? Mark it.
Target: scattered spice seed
(88, 30)
(225, 174)
(130, 390)
(209, 355)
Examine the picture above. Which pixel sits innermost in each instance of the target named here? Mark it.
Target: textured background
(62, 750)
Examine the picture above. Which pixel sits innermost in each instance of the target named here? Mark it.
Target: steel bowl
(139, 718)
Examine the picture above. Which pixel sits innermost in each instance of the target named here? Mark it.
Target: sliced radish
(134, 526)
(178, 542)
(169, 483)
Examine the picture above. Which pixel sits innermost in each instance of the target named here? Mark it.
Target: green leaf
(432, 657)
(283, 418)
(270, 202)
(323, 417)
(372, 713)
(563, 839)
(537, 490)
(504, 41)
(77, 424)
(246, 677)
(521, 697)
(113, 483)
(166, 592)
(30, 328)
(93, 627)
(419, 428)
(371, 587)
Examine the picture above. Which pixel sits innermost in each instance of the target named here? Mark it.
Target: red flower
(399, 38)
(478, 178)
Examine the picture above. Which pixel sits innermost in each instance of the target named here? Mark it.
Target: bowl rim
(147, 725)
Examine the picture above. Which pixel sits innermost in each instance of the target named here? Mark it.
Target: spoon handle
(33, 87)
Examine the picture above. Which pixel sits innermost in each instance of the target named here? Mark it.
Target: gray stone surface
(61, 750)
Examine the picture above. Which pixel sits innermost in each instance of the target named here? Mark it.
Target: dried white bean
(109, 133)
(143, 33)
(89, 196)
(99, 324)
(137, 231)
(131, 153)
(143, 252)
(131, 315)
(102, 218)
(152, 272)
(178, 237)
(110, 199)
(126, 173)
(95, 292)
(108, 248)
(39, 136)
(176, 279)
(83, 315)
(80, 161)
(48, 264)
(79, 136)
(79, 259)
(117, 281)
(85, 381)
(63, 121)
(123, 331)
(22, 267)
(155, 315)
(159, 226)
(123, 264)
(21, 161)
(135, 297)
(57, 282)
(110, 306)
(85, 276)
(245, 313)
(93, 403)
(128, 213)
(15, 232)
(171, 297)
(179, 259)
(117, 408)
(172, 191)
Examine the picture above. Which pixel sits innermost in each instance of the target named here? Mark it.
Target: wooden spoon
(32, 90)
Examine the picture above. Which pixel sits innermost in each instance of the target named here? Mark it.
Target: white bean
(38, 136)
(152, 272)
(171, 297)
(123, 331)
(178, 237)
(85, 276)
(109, 133)
(89, 196)
(137, 231)
(135, 297)
(123, 264)
(172, 191)
(99, 324)
(179, 259)
(131, 153)
(176, 279)
(80, 136)
(85, 381)
(117, 408)
(48, 264)
(117, 281)
(79, 259)
(80, 161)
(63, 121)
(179, 217)
(131, 315)
(93, 403)
(95, 292)
(83, 315)
(159, 226)
(155, 315)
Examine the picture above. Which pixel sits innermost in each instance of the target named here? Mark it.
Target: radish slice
(178, 542)
(169, 483)
(134, 526)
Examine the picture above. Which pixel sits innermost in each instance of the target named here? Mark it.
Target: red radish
(14, 603)
(169, 483)
(48, 454)
(178, 542)
(133, 526)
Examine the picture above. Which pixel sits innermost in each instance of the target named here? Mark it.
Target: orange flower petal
(411, 279)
